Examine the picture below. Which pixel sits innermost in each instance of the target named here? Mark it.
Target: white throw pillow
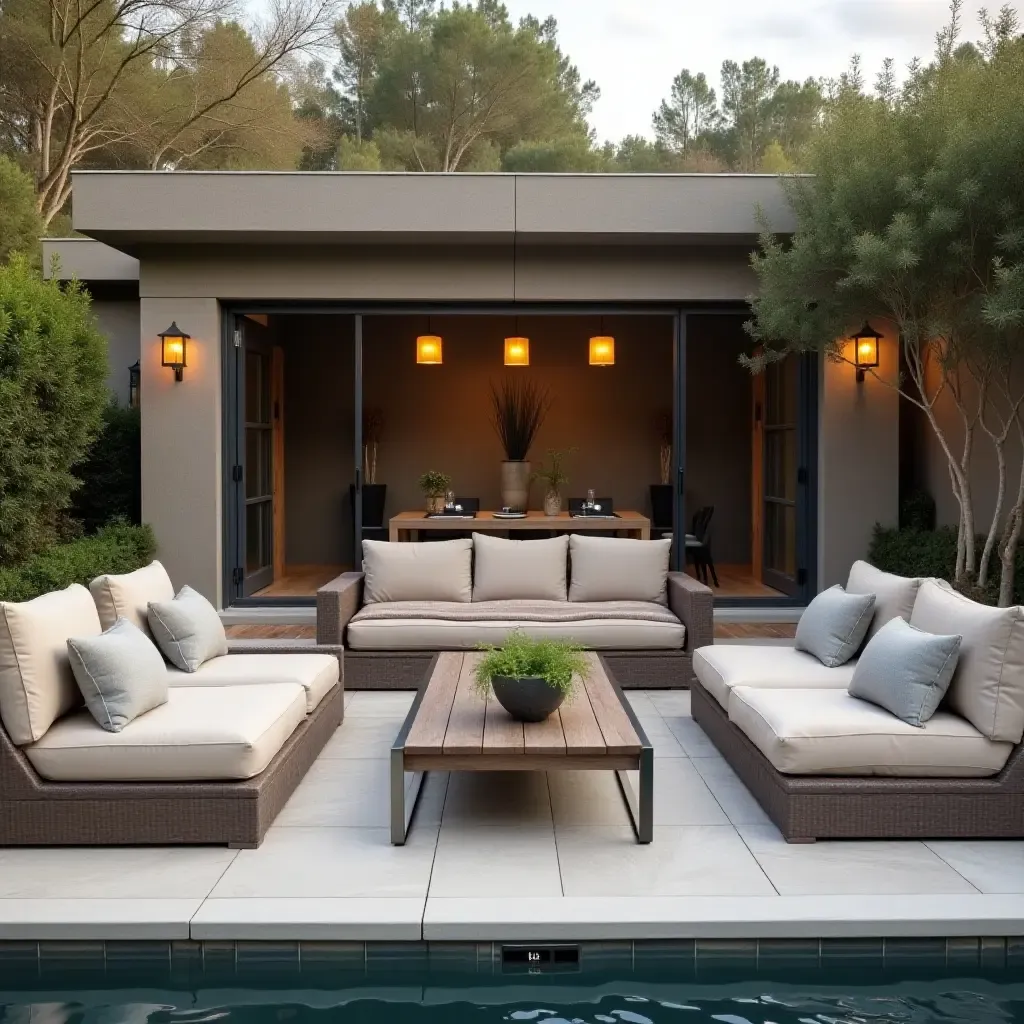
(37, 685)
(188, 630)
(127, 596)
(616, 569)
(511, 570)
(988, 685)
(894, 595)
(431, 571)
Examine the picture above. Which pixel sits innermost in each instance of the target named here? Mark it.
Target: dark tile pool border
(249, 961)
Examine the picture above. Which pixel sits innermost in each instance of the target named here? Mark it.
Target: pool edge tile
(96, 919)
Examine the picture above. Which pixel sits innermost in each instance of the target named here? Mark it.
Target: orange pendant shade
(602, 350)
(517, 351)
(428, 350)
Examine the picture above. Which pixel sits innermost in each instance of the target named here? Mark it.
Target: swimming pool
(395, 990)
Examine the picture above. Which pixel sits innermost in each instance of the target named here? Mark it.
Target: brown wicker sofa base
(338, 601)
(35, 812)
(806, 808)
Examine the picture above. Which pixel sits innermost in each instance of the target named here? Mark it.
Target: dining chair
(698, 544)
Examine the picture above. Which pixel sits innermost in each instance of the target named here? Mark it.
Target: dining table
(409, 526)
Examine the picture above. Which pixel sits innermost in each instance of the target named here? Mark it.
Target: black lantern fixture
(173, 349)
(865, 350)
(133, 385)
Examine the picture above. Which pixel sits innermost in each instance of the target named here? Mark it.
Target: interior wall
(719, 425)
(319, 436)
(439, 417)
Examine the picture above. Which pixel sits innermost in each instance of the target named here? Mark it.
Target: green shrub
(53, 368)
(111, 474)
(21, 227)
(117, 548)
(910, 552)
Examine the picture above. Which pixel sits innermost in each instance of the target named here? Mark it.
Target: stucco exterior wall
(858, 459)
(181, 443)
(119, 322)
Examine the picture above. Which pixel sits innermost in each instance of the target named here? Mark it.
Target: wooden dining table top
(533, 520)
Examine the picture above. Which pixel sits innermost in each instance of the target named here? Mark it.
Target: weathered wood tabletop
(408, 525)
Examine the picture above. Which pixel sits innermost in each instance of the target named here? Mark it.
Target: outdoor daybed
(612, 595)
(825, 764)
(213, 765)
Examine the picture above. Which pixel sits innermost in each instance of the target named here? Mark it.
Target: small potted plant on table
(531, 678)
(434, 486)
(554, 476)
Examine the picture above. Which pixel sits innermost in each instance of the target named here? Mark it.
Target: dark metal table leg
(641, 804)
(404, 794)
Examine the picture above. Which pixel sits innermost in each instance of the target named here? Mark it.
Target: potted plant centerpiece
(519, 409)
(434, 486)
(661, 493)
(554, 476)
(531, 678)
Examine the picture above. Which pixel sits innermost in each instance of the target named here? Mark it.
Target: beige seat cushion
(431, 625)
(437, 571)
(202, 733)
(828, 732)
(894, 595)
(505, 570)
(37, 685)
(616, 569)
(720, 667)
(315, 673)
(988, 685)
(127, 596)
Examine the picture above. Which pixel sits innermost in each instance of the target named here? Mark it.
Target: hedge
(913, 552)
(118, 547)
(111, 474)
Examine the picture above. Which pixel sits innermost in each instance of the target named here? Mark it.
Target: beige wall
(181, 443)
(439, 417)
(119, 322)
(858, 459)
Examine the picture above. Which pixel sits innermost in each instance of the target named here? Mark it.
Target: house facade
(303, 296)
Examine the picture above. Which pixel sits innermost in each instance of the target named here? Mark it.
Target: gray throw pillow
(120, 672)
(834, 624)
(906, 671)
(188, 629)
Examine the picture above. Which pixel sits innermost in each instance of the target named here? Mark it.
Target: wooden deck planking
(465, 733)
(614, 723)
(431, 722)
(545, 739)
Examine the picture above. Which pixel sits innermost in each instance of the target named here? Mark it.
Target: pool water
(854, 998)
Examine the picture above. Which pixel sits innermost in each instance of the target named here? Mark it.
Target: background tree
(690, 111)
(916, 214)
(363, 36)
(20, 223)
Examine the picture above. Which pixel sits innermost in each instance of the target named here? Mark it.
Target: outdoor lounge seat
(722, 667)
(415, 625)
(828, 732)
(317, 674)
(202, 734)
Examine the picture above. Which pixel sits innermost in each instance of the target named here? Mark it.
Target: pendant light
(517, 349)
(428, 348)
(602, 348)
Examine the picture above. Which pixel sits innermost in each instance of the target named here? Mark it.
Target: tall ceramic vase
(515, 485)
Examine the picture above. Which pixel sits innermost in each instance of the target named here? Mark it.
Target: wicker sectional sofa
(389, 642)
(825, 764)
(213, 765)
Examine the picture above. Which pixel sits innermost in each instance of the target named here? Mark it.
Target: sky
(634, 48)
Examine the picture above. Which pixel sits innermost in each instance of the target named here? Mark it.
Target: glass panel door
(782, 476)
(258, 459)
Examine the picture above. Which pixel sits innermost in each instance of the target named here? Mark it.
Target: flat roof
(87, 260)
(134, 209)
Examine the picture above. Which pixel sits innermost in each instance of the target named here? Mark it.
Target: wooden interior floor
(302, 580)
(737, 581)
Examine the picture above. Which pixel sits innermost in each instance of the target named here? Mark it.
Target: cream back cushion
(615, 569)
(988, 685)
(438, 571)
(37, 685)
(127, 596)
(510, 570)
(894, 595)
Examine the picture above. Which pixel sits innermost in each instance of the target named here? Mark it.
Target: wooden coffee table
(450, 727)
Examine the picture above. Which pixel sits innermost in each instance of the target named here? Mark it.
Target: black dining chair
(698, 544)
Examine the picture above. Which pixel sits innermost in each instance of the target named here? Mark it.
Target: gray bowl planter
(530, 699)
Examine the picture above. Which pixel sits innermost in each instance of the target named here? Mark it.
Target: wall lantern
(133, 385)
(865, 350)
(602, 350)
(173, 345)
(517, 351)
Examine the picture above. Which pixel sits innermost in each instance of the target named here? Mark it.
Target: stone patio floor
(516, 856)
